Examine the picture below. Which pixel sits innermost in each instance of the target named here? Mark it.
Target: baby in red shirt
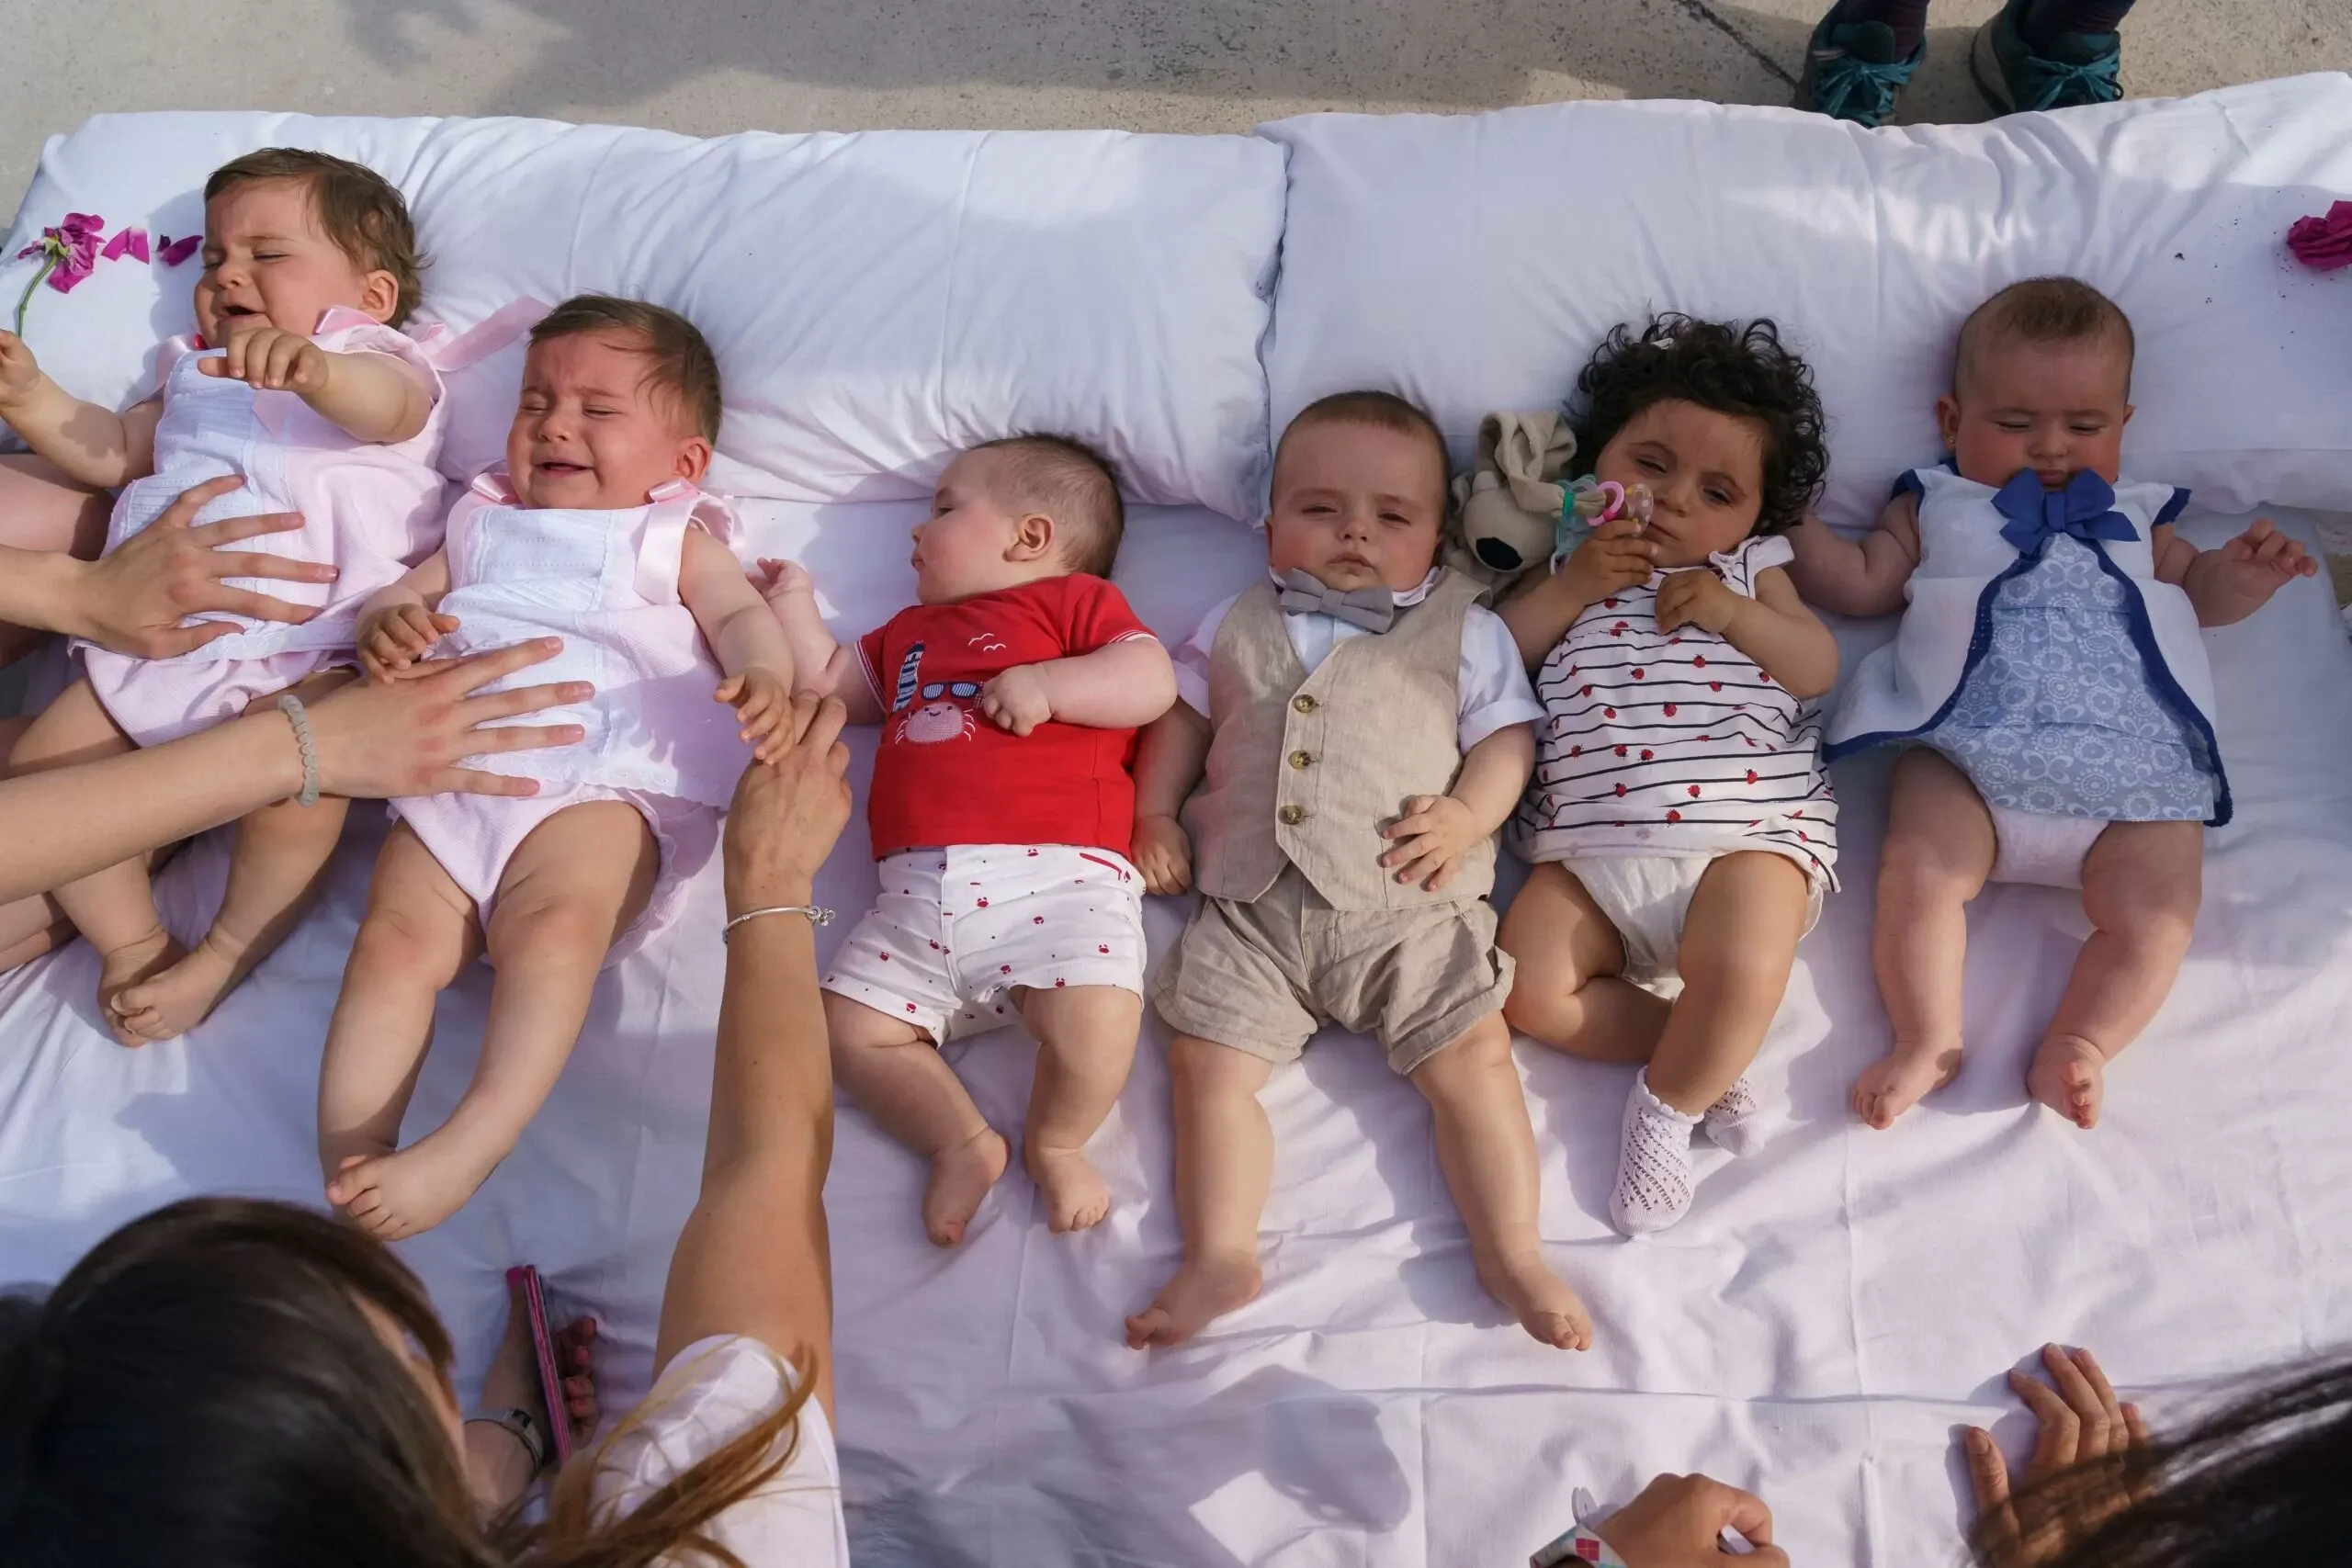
(1010, 695)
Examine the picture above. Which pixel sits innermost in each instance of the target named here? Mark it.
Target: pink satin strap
(486, 337)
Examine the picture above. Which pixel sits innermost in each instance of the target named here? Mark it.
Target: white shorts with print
(956, 929)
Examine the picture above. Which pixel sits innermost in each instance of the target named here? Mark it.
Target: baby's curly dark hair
(1743, 370)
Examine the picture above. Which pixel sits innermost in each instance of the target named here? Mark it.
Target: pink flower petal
(130, 241)
(2324, 243)
(175, 251)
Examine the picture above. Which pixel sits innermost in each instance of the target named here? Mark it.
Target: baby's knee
(1484, 1047)
(1204, 1066)
(527, 926)
(403, 939)
(1914, 866)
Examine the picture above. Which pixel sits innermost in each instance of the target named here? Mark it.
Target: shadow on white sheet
(1814, 1329)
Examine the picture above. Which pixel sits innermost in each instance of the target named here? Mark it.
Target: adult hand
(1678, 1522)
(377, 742)
(134, 600)
(19, 371)
(2082, 1424)
(789, 811)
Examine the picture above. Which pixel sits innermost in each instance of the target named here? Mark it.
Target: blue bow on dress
(2085, 508)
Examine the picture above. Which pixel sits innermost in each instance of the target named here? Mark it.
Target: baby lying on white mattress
(2048, 686)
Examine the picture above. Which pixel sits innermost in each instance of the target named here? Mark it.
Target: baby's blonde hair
(1070, 482)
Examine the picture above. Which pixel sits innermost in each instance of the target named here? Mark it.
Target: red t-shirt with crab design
(946, 774)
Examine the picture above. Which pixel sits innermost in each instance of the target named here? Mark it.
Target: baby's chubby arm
(1858, 576)
(1123, 685)
(400, 623)
(1774, 628)
(1170, 756)
(2230, 583)
(370, 397)
(819, 664)
(1436, 830)
(745, 637)
(94, 446)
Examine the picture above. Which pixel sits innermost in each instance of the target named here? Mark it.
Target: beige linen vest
(1308, 768)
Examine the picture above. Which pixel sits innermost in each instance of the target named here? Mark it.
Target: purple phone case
(543, 1345)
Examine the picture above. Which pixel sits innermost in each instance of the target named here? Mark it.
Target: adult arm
(1170, 755)
(1774, 628)
(2082, 1428)
(2230, 583)
(1122, 687)
(135, 600)
(1679, 1520)
(93, 446)
(1540, 614)
(1858, 577)
(370, 397)
(373, 742)
(754, 1259)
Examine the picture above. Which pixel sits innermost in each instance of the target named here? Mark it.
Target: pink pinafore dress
(606, 583)
(371, 510)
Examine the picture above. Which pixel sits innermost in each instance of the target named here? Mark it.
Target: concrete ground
(703, 66)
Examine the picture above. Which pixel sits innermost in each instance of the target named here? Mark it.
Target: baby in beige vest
(1364, 728)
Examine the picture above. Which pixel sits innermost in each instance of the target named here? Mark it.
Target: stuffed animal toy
(1517, 507)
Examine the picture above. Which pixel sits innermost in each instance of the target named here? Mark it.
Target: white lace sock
(1736, 1122)
(1654, 1185)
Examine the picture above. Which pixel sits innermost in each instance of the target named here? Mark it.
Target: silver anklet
(816, 917)
(525, 1428)
(292, 706)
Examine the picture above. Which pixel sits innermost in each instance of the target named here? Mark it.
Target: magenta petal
(2324, 243)
(177, 251)
(130, 241)
(66, 274)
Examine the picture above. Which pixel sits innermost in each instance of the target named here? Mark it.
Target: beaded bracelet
(292, 706)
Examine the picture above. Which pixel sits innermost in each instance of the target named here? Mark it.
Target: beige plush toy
(1517, 508)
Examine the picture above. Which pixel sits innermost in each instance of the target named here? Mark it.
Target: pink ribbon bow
(2324, 243)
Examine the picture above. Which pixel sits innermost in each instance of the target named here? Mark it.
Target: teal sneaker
(2077, 69)
(1852, 73)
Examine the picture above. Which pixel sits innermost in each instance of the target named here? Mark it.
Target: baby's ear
(1033, 537)
(693, 459)
(380, 296)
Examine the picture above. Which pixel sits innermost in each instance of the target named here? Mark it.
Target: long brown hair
(206, 1387)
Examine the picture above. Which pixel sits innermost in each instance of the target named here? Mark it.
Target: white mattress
(1814, 1329)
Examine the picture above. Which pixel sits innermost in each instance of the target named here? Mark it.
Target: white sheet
(1814, 1329)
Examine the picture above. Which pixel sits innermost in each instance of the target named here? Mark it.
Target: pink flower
(173, 251)
(71, 249)
(2324, 243)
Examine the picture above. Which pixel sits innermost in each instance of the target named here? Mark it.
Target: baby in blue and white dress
(2048, 684)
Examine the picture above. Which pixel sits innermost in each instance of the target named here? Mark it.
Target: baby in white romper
(300, 382)
(2049, 684)
(1682, 830)
(595, 534)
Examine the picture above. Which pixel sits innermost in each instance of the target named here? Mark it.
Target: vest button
(1304, 703)
(1292, 814)
(1302, 759)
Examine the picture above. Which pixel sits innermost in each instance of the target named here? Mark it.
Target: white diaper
(1646, 898)
(2035, 846)
(955, 929)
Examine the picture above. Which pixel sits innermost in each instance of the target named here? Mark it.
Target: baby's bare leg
(572, 887)
(2142, 885)
(891, 1071)
(1486, 1147)
(1939, 850)
(28, 927)
(1740, 940)
(40, 509)
(1224, 1165)
(419, 933)
(115, 908)
(1570, 992)
(280, 856)
(1086, 1044)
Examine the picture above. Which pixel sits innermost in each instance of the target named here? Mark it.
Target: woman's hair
(1743, 371)
(2261, 1481)
(679, 362)
(205, 1388)
(361, 211)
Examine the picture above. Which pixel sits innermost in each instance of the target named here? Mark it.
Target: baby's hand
(763, 701)
(1697, 598)
(2262, 559)
(271, 359)
(394, 641)
(777, 579)
(1614, 556)
(1017, 700)
(1163, 853)
(19, 371)
(1430, 838)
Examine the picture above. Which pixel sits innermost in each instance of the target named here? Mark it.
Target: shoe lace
(1847, 87)
(2050, 84)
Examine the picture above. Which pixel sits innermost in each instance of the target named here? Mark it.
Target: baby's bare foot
(1198, 1293)
(2069, 1074)
(1540, 1298)
(1075, 1196)
(960, 1177)
(184, 996)
(1901, 1078)
(122, 969)
(396, 1195)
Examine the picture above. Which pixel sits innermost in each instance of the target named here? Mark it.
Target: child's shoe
(1736, 1122)
(2068, 71)
(1852, 73)
(1654, 1183)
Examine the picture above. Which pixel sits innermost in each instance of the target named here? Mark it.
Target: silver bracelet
(292, 706)
(526, 1429)
(815, 916)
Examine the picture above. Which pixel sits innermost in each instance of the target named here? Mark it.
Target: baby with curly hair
(1679, 822)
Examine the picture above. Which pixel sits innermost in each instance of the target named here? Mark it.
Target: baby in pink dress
(301, 384)
(597, 535)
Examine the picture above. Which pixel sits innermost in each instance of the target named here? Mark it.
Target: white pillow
(876, 300)
(1473, 264)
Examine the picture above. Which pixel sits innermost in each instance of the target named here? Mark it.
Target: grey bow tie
(1373, 609)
